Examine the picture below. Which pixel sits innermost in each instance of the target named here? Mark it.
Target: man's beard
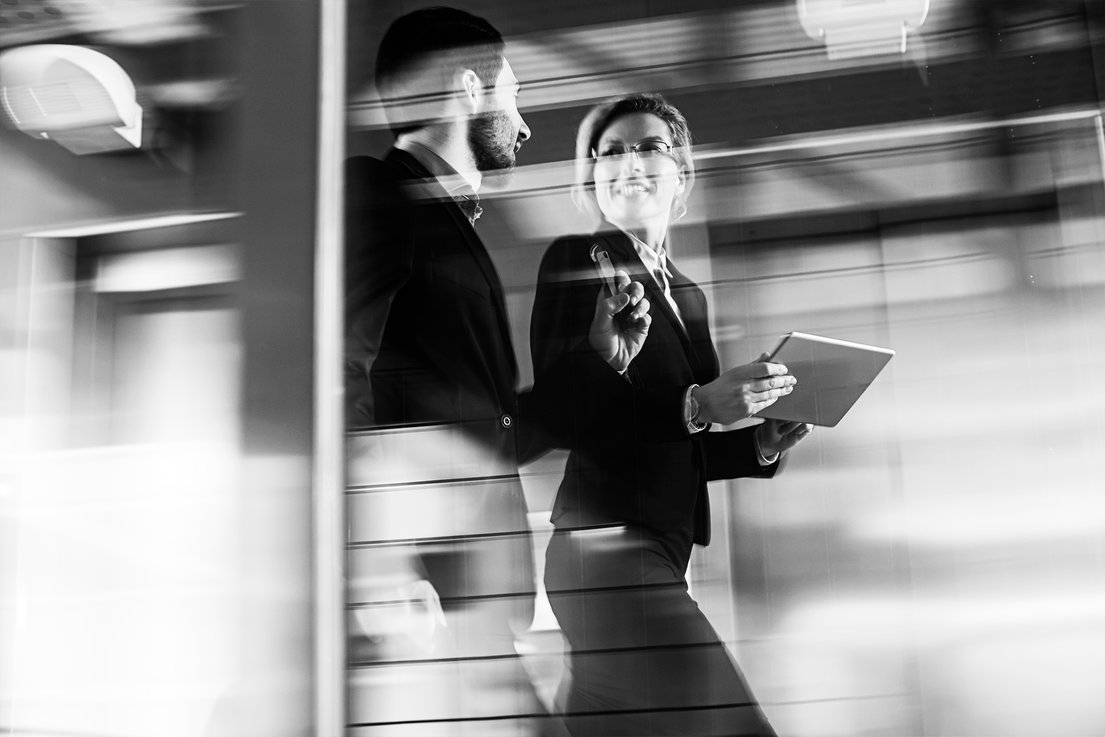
(492, 140)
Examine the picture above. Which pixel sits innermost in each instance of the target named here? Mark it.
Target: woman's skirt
(644, 659)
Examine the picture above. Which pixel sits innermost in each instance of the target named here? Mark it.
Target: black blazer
(427, 336)
(638, 464)
(428, 343)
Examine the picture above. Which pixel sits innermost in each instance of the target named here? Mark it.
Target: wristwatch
(690, 411)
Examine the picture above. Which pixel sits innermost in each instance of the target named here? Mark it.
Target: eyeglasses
(647, 149)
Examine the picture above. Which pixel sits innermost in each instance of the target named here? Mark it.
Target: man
(439, 427)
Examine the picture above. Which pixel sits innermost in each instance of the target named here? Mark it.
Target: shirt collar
(456, 185)
(652, 258)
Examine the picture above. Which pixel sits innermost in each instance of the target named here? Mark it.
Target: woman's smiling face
(635, 189)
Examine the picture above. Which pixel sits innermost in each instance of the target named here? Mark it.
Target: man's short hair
(441, 37)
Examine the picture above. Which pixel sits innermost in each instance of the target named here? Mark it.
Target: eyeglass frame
(668, 150)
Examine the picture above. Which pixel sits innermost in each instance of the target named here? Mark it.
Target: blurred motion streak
(431, 500)
(740, 45)
(122, 516)
(153, 532)
(932, 565)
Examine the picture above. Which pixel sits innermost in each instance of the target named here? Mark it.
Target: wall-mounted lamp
(851, 28)
(80, 98)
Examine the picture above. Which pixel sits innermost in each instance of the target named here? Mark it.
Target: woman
(644, 660)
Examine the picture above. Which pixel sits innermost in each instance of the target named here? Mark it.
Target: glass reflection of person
(430, 366)
(644, 660)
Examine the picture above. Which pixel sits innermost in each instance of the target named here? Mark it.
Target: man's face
(496, 133)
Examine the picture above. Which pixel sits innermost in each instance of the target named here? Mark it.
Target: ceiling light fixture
(79, 98)
(854, 28)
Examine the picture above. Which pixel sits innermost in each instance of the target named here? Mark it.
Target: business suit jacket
(650, 472)
(428, 339)
(428, 350)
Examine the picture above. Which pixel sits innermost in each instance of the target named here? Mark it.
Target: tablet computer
(831, 374)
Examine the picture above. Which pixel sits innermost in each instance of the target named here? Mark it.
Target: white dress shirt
(656, 261)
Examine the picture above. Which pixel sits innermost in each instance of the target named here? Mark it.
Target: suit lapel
(692, 305)
(625, 256)
(433, 191)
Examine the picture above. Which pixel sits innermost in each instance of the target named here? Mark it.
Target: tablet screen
(831, 374)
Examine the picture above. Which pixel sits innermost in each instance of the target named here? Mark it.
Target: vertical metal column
(278, 178)
(329, 522)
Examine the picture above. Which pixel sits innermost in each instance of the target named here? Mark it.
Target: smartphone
(606, 268)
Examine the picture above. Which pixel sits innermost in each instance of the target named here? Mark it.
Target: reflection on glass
(947, 202)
